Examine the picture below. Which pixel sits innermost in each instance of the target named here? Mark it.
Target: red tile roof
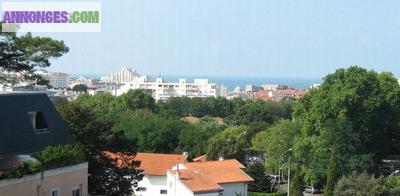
(153, 163)
(206, 176)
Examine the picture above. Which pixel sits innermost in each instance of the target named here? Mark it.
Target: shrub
(59, 156)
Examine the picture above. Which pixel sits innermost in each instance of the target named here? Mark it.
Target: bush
(29, 167)
(364, 184)
(60, 156)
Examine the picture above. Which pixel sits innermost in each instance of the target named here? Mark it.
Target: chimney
(220, 158)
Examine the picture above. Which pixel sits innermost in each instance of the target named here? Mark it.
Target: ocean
(232, 81)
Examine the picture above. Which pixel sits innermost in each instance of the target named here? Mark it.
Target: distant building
(162, 90)
(274, 87)
(124, 76)
(56, 79)
(252, 88)
(81, 80)
(315, 86)
(277, 95)
(29, 123)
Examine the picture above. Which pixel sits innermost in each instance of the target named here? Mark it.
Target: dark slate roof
(17, 135)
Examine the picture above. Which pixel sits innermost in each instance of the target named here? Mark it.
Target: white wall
(153, 185)
(232, 189)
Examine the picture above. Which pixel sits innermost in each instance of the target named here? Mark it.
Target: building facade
(162, 90)
(56, 79)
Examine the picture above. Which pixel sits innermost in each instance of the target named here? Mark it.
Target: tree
(259, 111)
(195, 138)
(95, 136)
(230, 143)
(276, 140)
(355, 112)
(26, 54)
(137, 99)
(332, 175)
(80, 88)
(297, 183)
(262, 183)
(152, 132)
(363, 185)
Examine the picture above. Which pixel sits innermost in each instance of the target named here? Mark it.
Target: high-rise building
(125, 75)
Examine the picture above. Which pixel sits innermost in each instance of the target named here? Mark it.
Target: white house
(155, 167)
(208, 178)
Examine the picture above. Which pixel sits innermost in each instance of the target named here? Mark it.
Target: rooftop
(28, 123)
(208, 175)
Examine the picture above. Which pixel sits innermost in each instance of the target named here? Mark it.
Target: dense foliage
(59, 156)
(365, 184)
(262, 182)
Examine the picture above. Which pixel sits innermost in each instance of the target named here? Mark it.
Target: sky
(260, 38)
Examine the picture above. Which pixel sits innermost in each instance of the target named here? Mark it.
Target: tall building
(124, 76)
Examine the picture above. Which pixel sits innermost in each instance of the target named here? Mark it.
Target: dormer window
(38, 121)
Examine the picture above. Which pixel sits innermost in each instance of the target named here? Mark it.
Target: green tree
(26, 54)
(137, 99)
(80, 88)
(152, 132)
(194, 139)
(230, 143)
(355, 111)
(332, 175)
(259, 111)
(95, 136)
(262, 183)
(297, 183)
(276, 140)
(362, 185)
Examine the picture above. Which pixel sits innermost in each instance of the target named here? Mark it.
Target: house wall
(207, 194)
(153, 184)
(41, 184)
(233, 189)
(176, 187)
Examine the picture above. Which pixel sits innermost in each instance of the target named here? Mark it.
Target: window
(38, 121)
(142, 189)
(55, 192)
(163, 191)
(76, 191)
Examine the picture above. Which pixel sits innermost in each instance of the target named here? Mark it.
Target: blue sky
(267, 38)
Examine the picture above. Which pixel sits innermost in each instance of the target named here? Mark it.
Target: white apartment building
(163, 90)
(124, 76)
(56, 79)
